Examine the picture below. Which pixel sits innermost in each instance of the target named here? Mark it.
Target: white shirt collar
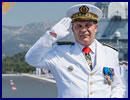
(92, 46)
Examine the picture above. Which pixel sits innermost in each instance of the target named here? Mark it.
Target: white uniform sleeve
(118, 88)
(36, 54)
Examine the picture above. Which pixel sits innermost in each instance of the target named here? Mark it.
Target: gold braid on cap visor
(87, 16)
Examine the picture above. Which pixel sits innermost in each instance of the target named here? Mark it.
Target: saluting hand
(60, 30)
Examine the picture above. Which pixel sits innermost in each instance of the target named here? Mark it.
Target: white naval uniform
(124, 76)
(80, 82)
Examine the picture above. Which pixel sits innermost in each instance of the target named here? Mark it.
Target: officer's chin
(85, 42)
(85, 39)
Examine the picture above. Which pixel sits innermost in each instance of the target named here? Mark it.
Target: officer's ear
(96, 27)
(72, 28)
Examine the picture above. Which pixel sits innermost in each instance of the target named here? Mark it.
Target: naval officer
(85, 68)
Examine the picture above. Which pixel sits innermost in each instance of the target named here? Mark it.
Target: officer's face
(84, 32)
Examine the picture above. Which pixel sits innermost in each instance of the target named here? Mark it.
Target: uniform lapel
(100, 56)
(78, 56)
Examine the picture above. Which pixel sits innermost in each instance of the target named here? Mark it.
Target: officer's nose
(84, 29)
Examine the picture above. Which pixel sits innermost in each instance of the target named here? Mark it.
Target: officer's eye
(88, 25)
(79, 26)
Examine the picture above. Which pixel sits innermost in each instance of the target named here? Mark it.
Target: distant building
(111, 9)
(113, 27)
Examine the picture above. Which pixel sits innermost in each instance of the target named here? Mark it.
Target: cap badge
(83, 9)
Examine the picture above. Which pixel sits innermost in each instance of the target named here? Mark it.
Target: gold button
(70, 68)
(91, 74)
(91, 83)
(91, 93)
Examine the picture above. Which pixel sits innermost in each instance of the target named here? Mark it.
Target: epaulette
(65, 43)
(110, 46)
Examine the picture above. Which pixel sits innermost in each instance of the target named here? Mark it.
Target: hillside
(19, 39)
(16, 64)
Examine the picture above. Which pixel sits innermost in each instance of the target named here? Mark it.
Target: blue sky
(23, 13)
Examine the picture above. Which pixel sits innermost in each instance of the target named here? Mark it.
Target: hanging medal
(108, 72)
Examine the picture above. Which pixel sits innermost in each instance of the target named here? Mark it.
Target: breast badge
(109, 73)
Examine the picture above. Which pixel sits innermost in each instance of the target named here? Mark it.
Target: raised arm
(35, 55)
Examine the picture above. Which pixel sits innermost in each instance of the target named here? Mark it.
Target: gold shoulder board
(65, 43)
(110, 46)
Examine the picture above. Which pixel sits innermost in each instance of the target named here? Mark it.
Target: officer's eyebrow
(87, 23)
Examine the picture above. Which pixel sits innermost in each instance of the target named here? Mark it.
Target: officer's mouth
(82, 36)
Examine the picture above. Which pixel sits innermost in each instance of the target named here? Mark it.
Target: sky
(23, 13)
